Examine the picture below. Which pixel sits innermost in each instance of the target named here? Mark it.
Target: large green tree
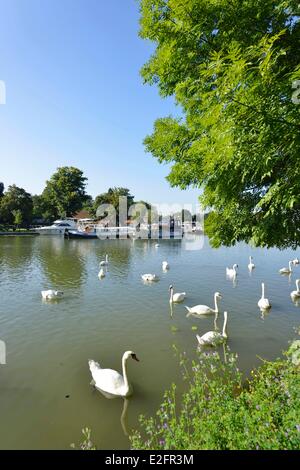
(231, 65)
(64, 193)
(43, 209)
(16, 201)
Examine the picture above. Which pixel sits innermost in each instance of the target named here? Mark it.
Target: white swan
(263, 303)
(51, 294)
(213, 338)
(204, 309)
(111, 381)
(149, 277)
(165, 265)
(251, 265)
(157, 245)
(286, 270)
(296, 293)
(295, 261)
(178, 297)
(104, 262)
(232, 272)
(101, 273)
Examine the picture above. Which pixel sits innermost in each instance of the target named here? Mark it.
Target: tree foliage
(16, 201)
(231, 66)
(112, 196)
(65, 191)
(18, 217)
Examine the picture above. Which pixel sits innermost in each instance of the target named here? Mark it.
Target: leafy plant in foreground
(219, 411)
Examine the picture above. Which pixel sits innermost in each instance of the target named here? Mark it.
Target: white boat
(86, 228)
(90, 228)
(58, 227)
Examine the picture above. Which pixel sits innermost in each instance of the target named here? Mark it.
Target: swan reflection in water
(296, 302)
(123, 419)
(265, 313)
(288, 276)
(233, 279)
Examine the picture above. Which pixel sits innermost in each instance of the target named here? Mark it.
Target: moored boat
(58, 227)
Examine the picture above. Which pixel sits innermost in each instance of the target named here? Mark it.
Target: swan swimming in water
(51, 294)
(296, 293)
(165, 265)
(213, 338)
(111, 381)
(251, 265)
(263, 303)
(286, 270)
(104, 262)
(204, 309)
(149, 277)
(178, 297)
(232, 272)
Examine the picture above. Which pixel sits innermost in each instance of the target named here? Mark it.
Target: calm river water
(45, 393)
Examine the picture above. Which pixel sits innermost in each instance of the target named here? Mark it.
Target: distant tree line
(64, 196)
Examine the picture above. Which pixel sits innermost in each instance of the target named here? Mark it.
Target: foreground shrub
(219, 411)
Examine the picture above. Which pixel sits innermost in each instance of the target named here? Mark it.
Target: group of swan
(264, 303)
(111, 381)
(211, 338)
(232, 272)
(293, 262)
(153, 277)
(104, 262)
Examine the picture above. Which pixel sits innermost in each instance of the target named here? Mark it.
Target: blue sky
(75, 97)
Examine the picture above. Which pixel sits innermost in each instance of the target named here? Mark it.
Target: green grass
(220, 410)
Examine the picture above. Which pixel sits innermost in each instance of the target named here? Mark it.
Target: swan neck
(263, 291)
(171, 295)
(297, 284)
(216, 304)
(124, 369)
